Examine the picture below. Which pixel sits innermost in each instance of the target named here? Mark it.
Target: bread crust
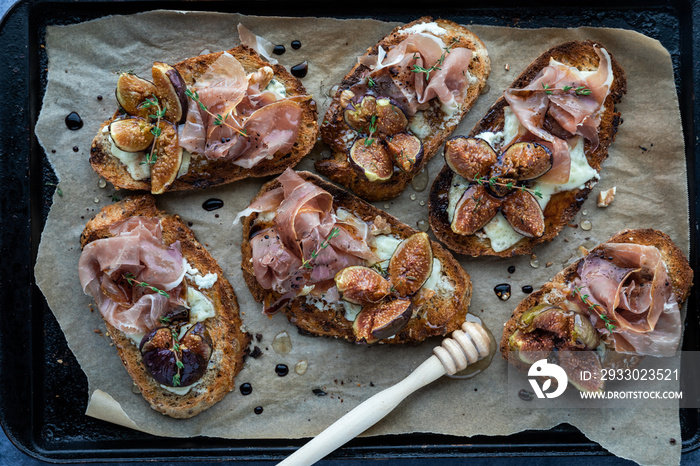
(205, 173)
(225, 329)
(445, 316)
(678, 268)
(338, 168)
(562, 206)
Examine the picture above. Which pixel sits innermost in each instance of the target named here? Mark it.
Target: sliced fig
(406, 150)
(530, 347)
(411, 264)
(361, 285)
(382, 320)
(470, 158)
(575, 363)
(132, 91)
(371, 159)
(196, 349)
(131, 134)
(390, 118)
(524, 213)
(524, 161)
(359, 116)
(170, 89)
(168, 158)
(474, 209)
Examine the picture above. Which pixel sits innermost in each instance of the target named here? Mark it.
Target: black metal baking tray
(42, 401)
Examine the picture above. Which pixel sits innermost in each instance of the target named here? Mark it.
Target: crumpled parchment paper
(646, 163)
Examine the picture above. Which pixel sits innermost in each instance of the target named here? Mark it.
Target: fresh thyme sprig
(370, 82)
(178, 363)
(219, 120)
(306, 263)
(58, 190)
(437, 65)
(604, 317)
(372, 130)
(580, 90)
(151, 157)
(132, 281)
(493, 181)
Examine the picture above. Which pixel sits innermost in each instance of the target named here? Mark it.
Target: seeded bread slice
(441, 315)
(562, 206)
(229, 339)
(204, 173)
(677, 266)
(339, 136)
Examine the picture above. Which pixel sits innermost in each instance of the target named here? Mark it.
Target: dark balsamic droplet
(73, 121)
(527, 289)
(246, 389)
(296, 44)
(300, 70)
(525, 395)
(99, 97)
(212, 204)
(75, 149)
(511, 269)
(258, 410)
(279, 50)
(319, 392)
(281, 370)
(502, 291)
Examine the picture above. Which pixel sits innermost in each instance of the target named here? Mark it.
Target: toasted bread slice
(202, 172)
(440, 314)
(230, 341)
(677, 268)
(563, 205)
(432, 125)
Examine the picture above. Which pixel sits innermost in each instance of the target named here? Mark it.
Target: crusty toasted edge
(677, 266)
(563, 206)
(226, 329)
(444, 316)
(204, 173)
(338, 168)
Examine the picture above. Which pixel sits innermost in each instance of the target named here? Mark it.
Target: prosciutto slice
(258, 123)
(136, 248)
(298, 250)
(553, 92)
(396, 75)
(631, 287)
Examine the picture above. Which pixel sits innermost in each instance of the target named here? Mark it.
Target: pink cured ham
(630, 284)
(135, 248)
(396, 77)
(304, 220)
(553, 92)
(259, 123)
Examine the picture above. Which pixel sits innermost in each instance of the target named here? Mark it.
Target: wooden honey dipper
(466, 346)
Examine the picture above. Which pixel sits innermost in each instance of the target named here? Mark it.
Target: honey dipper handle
(365, 415)
(466, 346)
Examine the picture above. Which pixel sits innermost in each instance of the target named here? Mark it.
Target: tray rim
(352, 451)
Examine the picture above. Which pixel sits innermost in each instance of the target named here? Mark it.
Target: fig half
(411, 264)
(524, 161)
(474, 209)
(168, 158)
(359, 116)
(132, 91)
(470, 158)
(390, 118)
(382, 320)
(524, 213)
(369, 157)
(170, 89)
(131, 134)
(406, 150)
(361, 285)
